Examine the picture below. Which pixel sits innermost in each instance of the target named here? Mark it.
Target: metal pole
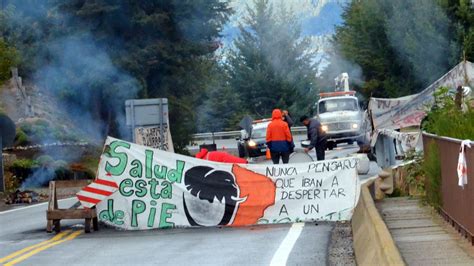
(2, 177)
(132, 114)
(162, 138)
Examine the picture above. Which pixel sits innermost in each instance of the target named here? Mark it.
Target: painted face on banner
(213, 196)
(219, 197)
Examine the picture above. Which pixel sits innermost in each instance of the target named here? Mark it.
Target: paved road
(298, 244)
(23, 228)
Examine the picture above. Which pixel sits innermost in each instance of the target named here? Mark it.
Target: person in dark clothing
(316, 135)
(287, 118)
(278, 138)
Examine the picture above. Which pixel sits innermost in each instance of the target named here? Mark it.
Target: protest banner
(152, 137)
(158, 189)
(384, 110)
(407, 140)
(410, 110)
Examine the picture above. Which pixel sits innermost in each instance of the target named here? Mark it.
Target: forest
(94, 54)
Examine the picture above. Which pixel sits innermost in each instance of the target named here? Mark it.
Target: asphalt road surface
(24, 228)
(24, 241)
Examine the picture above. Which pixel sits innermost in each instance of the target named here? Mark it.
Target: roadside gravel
(341, 251)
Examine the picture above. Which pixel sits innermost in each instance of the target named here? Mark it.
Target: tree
(167, 45)
(462, 16)
(401, 46)
(421, 36)
(271, 65)
(362, 40)
(98, 53)
(221, 108)
(8, 58)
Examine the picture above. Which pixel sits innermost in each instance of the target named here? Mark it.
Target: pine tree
(401, 46)
(167, 46)
(461, 13)
(271, 64)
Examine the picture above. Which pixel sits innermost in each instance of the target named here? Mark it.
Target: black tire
(241, 149)
(350, 142)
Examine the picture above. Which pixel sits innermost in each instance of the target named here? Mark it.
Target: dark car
(254, 145)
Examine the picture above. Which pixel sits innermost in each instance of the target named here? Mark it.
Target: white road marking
(283, 252)
(31, 206)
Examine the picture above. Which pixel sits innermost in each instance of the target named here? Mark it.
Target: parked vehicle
(253, 144)
(341, 116)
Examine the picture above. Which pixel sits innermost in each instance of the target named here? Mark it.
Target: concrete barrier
(373, 243)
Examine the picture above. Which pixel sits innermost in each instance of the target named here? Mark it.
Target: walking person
(316, 135)
(278, 138)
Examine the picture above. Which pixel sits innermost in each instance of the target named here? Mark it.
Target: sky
(318, 17)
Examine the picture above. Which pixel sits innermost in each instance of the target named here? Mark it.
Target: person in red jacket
(279, 139)
(219, 156)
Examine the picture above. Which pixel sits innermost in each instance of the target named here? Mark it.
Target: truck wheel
(350, 142)
(241, 149)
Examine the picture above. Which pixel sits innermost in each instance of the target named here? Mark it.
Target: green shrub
(446, 119)
(9, 57)
(415, 172)
(21, 139)
(432, 171)
(25, 163)
(45, 160)
(22, 168)
(40, 131)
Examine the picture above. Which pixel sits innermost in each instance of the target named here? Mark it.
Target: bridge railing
(236, 133)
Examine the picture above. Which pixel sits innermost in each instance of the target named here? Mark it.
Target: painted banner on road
(158, 189)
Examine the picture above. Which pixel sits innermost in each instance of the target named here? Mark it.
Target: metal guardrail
(457, 204)
(236, 133)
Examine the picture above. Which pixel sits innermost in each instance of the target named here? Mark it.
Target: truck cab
(341, 118)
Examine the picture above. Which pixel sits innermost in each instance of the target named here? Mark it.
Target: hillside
(36, 113)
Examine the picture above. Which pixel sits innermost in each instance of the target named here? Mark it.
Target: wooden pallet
(54, 215)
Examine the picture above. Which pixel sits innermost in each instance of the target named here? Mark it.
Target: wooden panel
(70, 214)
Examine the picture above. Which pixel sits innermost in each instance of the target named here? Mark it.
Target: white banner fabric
(410, 110)
(159, 189)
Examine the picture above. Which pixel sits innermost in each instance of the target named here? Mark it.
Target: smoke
(83, 78)
(75, 70)
(71, 67)
(39, 178)
(337, 64)
(419, 32)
